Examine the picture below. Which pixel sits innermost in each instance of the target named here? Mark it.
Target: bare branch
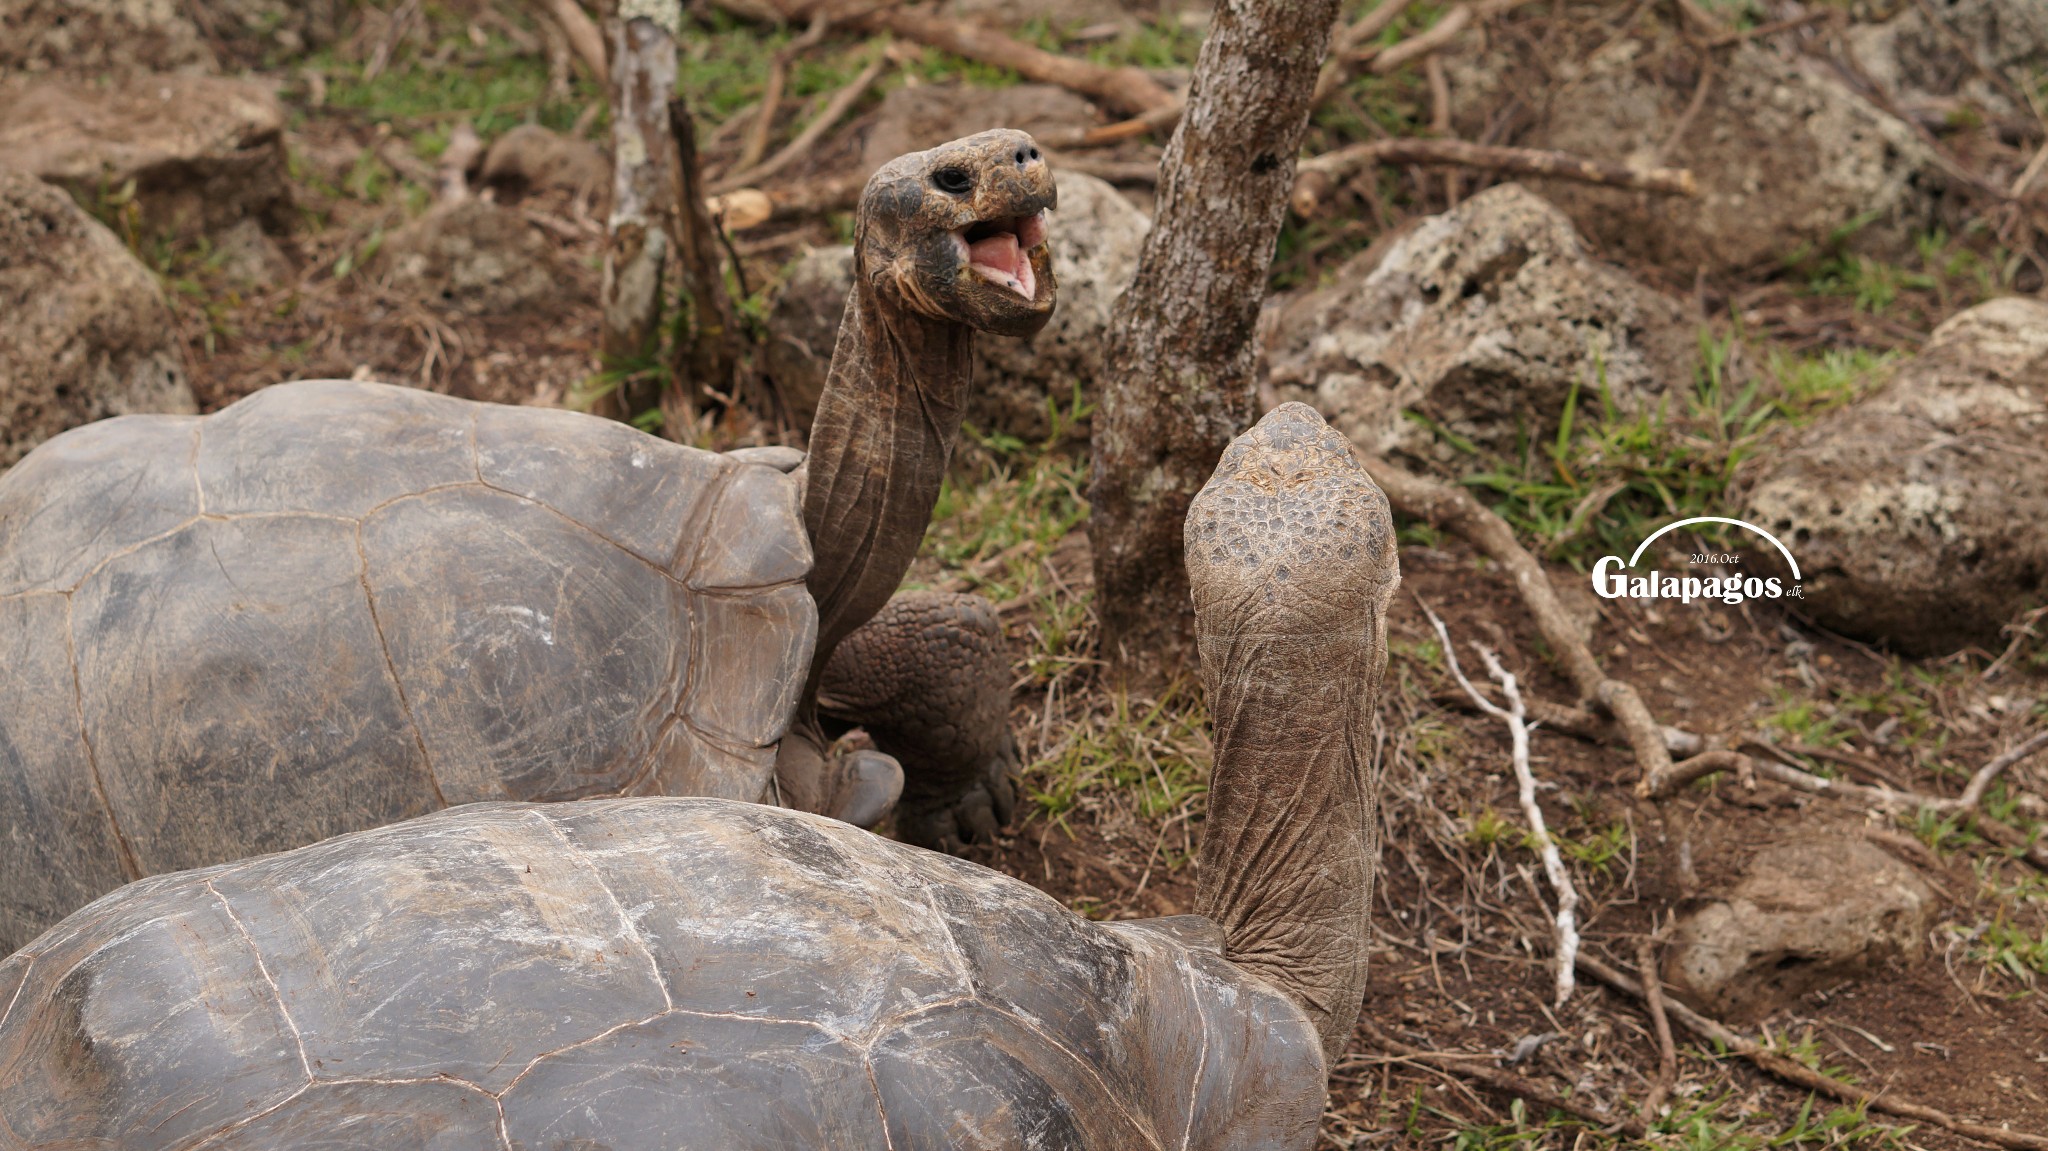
(1505, 1082)
(1667, 1052)
(1525, 779)
(1320, 175)
(1454, 509)
(1804, 1076)
(842, 103)
(755, 145)
(583, 35)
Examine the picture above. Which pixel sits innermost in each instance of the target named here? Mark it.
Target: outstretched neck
(1290, 845)
(881, 441)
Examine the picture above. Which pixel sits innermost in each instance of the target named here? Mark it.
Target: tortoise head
(957, 233)
(1290, 554)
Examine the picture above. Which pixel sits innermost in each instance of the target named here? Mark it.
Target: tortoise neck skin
(948, 242)
(1290, 553)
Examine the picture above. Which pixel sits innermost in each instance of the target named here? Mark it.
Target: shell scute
(91, 492)
(698, 1081)
(749, 913)
(332, 447)
(361, 933)
(156, 1027)
(539, 660)
(61, 851)
(235, 693)
(640, 492)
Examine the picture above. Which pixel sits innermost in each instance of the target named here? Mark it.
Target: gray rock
(202, 151)
(100, 37)
(804, 324)
(1921, 68)
(1786, 154)
(1916, 515)
(84, 331)
(1480, 321)
(1096, 236)
(1805, 915)
(474, 257)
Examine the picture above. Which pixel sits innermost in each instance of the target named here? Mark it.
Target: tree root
(1801, 1075)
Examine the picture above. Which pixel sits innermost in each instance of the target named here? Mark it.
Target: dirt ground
(1113, 785)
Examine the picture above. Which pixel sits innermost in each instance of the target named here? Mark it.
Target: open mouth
(1000, 250)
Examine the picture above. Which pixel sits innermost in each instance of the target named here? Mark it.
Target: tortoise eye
(953, 181)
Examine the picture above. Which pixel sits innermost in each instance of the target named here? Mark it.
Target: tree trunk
(644, 168)
(706, 356)
(1178, 372)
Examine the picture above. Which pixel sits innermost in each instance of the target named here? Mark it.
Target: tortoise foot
(973, 813)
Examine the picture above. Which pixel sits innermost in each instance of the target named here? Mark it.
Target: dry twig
(1454, 509)
(1803, 1076)
(842, 103)
(1525, 780)
(1318, 176)
(1667, 1052)
(583, 35)
(1504, 1082)
(756, 144)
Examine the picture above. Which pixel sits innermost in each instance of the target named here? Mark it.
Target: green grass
(422, 94)
(1607, 477)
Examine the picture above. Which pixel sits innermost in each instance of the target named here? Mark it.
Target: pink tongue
(1000, 252)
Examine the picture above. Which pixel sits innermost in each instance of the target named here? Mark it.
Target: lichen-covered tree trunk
(644, 168)
(1177, 381)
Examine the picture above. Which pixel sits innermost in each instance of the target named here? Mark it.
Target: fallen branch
(1346, 46)
(1989, 773)
(1582, 724)
(582, 34)
(744, 208)
(1801, 1075)
(1667, 1052)
(1318, 176)
(842, 103)
(1774, 766)
(755, 145)
(1505, 1082)
(1355, 51)
(1662, 785)
(1129, 90)
(1453, 509)
(1525, 779)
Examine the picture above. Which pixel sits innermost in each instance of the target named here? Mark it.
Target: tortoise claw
(867, 786)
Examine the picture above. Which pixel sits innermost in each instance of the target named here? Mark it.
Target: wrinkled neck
(1291, 843)
(879, 447)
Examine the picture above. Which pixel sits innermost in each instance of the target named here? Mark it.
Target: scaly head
(957, 233)
(1290, 554)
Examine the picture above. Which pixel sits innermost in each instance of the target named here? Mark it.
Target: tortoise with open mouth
(336, 605)
(704, 975)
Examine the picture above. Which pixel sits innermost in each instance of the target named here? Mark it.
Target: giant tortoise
(715, 976)
(336, 605)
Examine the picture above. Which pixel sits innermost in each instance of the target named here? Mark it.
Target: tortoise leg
(859, 788)
(929, 678)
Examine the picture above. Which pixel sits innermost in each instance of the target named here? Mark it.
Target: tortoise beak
(1001, 251)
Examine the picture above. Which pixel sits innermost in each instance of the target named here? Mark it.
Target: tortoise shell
(377, 602)
(636, 973)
